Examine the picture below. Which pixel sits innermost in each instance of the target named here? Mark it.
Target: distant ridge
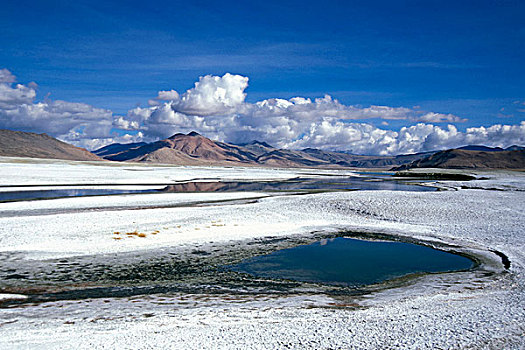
(28, 144)
(256, 143)
(195, 149)
(514, 148)
(116, 148)
(360, 161)
(258, 148)
(471, 159)
(481, 148)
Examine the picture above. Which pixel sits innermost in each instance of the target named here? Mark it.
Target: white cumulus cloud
(213, 95)
(78, 123)
(216, 107)
(432, 117)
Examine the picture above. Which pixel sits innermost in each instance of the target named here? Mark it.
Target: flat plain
(146, 270)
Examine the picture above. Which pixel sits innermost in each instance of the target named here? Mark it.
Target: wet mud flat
(205, 270)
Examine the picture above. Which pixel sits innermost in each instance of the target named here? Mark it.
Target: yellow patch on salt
(134, 233)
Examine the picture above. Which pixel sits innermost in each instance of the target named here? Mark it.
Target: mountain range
(195, 149)
(472, 157)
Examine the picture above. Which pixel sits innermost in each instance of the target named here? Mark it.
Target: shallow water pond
(352, 262)
(335, 183)
(9, 196)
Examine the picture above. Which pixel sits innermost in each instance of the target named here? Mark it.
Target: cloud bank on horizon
(216, 107)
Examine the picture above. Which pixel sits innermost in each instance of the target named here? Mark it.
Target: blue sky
(453, 57)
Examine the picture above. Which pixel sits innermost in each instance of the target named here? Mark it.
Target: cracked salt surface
(471, 310)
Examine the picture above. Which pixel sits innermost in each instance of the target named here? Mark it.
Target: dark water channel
(334, 183)
(352, 262)
(11, 196)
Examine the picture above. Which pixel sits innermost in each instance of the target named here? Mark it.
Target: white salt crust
(427, 315)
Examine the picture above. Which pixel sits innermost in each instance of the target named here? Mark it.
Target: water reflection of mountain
(326, 184)
(231, 186)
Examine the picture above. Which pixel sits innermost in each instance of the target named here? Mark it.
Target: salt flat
(456, 310)
(28, 171)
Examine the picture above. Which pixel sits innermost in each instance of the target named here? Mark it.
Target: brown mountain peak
(28, 144)
(184, 136)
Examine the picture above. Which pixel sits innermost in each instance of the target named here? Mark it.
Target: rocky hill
(28, 144)
(190, 149)
(470, 159)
